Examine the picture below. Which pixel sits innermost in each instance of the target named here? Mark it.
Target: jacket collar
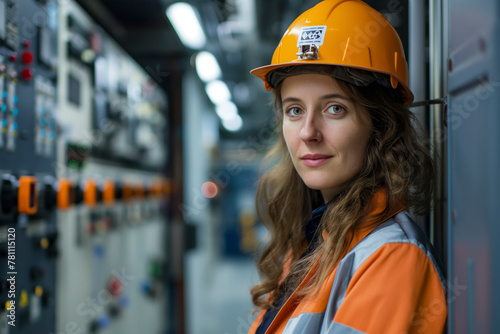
(377, 205)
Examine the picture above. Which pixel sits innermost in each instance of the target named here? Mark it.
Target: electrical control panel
(109, 155)
(82, 233)
(28, 185)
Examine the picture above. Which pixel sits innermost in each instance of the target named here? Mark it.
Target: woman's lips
(314, 160)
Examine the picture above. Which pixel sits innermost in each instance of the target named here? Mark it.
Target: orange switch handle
(139, 191)
(90, 193)
(127, 192)
(108, 192)
(65, 194)
(27, 199)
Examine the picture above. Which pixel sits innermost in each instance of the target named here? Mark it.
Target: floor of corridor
(218, 297)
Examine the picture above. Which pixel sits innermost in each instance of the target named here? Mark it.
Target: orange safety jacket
(390, 281)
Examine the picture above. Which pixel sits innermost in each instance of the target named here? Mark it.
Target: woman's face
(325, 134)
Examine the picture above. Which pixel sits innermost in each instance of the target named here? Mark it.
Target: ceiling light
(218, 92)
(233, 124)
(207, 66)
(185, 21)
(226, 110)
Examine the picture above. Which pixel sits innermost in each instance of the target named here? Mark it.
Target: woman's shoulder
(399, 234)
(401, 228)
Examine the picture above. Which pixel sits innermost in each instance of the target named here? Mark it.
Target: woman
(344, 255)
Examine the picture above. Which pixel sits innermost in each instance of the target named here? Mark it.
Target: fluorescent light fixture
(226, 110)
(218, 92)
(186, 24)
(207, 66)
(233, 124)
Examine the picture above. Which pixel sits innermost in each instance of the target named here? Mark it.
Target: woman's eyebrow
(335, 96)
(290, 99)
(324, 97)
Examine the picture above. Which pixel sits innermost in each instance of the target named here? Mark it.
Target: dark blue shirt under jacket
(310, 230)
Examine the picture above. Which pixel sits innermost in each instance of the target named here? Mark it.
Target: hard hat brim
(262, 73)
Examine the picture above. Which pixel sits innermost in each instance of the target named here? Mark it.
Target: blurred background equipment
(131, 141)
(83, 151)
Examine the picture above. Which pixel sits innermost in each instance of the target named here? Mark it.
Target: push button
(27, 74)
(27, 57)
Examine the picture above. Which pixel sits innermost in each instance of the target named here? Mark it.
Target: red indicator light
(27, 57)
(27, 74)
(115, 286)
(209, 189)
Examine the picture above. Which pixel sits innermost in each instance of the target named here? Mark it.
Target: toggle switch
(108, 192)
(139, 191)
(166, 187)
(27, 196)
(155, 188)
(90, 193)
(127, 193)
(65, 194)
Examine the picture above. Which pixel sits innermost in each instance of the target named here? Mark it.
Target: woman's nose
(310, 130)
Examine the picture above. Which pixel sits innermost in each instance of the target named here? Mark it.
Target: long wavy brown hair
(397, 159)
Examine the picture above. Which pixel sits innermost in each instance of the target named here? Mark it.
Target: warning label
(312, 35)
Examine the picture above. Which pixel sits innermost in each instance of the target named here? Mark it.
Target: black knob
(46, 297)
(114, 310)
(36, 273)
(118, 191)
(78, 194)
(8, 193)
(98, 194)
(93, 326)
(50, 194)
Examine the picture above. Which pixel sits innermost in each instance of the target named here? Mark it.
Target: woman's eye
(294, 111)
(335, 109)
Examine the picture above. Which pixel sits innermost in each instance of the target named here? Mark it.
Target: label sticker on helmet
(312, 35)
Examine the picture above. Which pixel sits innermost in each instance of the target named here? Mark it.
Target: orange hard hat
(345, 33)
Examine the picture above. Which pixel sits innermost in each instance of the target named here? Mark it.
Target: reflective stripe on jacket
(390, 281)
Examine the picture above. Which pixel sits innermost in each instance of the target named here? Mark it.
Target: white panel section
(87, 262)
(74, 119)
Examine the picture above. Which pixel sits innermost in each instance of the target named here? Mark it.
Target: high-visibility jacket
(389, 281)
